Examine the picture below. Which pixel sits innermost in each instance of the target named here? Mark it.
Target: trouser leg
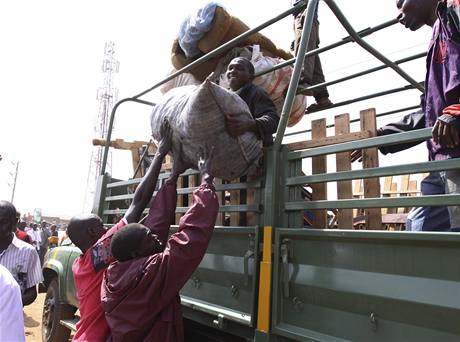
(452, 178)
(312, 70)
(430, 218)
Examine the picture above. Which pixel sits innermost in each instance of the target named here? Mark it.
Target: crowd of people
(42, 236)
(23, 246)
(128, 277)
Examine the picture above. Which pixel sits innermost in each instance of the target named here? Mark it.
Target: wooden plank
(235, 200)
(404, 189)
(397, 192)
(167, 163)
(357, 193)
(136, 158)
(294, 219)
(319, 165)
(386, 190)
(251, 218)
(345, 137)
(120, 144)
(357, 188)
(220, 197)
(387, 181)
(412, 191)
(394, 218)
(371, 159)
(180, 198)
(343, 163)
(404, 184)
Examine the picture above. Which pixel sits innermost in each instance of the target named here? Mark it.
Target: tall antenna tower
(107, 96)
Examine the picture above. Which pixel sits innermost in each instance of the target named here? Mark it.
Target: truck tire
(53, 312)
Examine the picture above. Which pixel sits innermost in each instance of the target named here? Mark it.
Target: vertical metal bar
(287, 106)
(346, 25)
(349, 39)
(14, 182)
(109, 133)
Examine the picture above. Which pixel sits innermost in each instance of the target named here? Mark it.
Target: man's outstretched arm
(163, 207)
(186, 248)
(144, 191)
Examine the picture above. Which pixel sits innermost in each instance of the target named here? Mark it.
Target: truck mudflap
(366, 285)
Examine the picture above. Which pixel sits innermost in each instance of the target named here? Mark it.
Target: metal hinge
(248, 255)
(286, 253)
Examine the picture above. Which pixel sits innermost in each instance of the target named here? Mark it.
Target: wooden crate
(343, 218)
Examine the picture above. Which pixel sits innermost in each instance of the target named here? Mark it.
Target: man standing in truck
(441, 103)
(88, 233)
(312, 72)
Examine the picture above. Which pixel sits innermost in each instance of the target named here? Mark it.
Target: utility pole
(15, 177)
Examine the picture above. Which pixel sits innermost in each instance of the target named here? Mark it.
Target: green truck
(267, 277)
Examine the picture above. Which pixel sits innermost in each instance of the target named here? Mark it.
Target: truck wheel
(53, 312)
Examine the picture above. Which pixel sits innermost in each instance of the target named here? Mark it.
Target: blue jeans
(451, 179)
(430, 218)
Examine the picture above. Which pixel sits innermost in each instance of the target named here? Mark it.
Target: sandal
(322, 104)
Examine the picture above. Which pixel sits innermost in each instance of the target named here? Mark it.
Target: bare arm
(144, 191)
(29, 295)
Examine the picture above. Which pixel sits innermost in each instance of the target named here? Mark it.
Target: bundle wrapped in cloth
(196, 115)
(223, 28)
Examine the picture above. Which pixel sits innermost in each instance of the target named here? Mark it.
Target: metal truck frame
(274, 280)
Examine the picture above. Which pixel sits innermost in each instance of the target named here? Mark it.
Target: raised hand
(445, 132)
(164, 146)
(204, 164)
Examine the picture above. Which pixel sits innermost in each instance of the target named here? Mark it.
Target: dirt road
(33, 319)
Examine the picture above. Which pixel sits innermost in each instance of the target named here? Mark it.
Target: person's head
(416, 13)
(53, 228)
(43, 224)
(8, 220)
(240, 71)
(134, 241)
(85, 230)
(22, 225)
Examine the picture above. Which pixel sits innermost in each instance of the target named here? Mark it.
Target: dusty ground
(33, 319)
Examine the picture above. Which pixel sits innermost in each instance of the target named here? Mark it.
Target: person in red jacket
(21, 234)
(88, 233)
(140, 291)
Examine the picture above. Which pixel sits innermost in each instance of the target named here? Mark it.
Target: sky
(50, 70)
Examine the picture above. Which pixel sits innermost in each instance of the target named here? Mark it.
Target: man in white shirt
(11, 315)
(35, 235)
(19, 257)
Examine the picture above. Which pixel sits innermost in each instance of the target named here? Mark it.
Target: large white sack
(196, 115)
(275, 82)
(183, 79)
(297, 110)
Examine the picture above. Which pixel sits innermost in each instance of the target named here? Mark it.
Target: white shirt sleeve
(11, 316)
(31, 234)
(34, 270)
(38, 236)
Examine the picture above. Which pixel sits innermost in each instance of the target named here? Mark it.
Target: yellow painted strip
(267, 252)
(263, 317)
